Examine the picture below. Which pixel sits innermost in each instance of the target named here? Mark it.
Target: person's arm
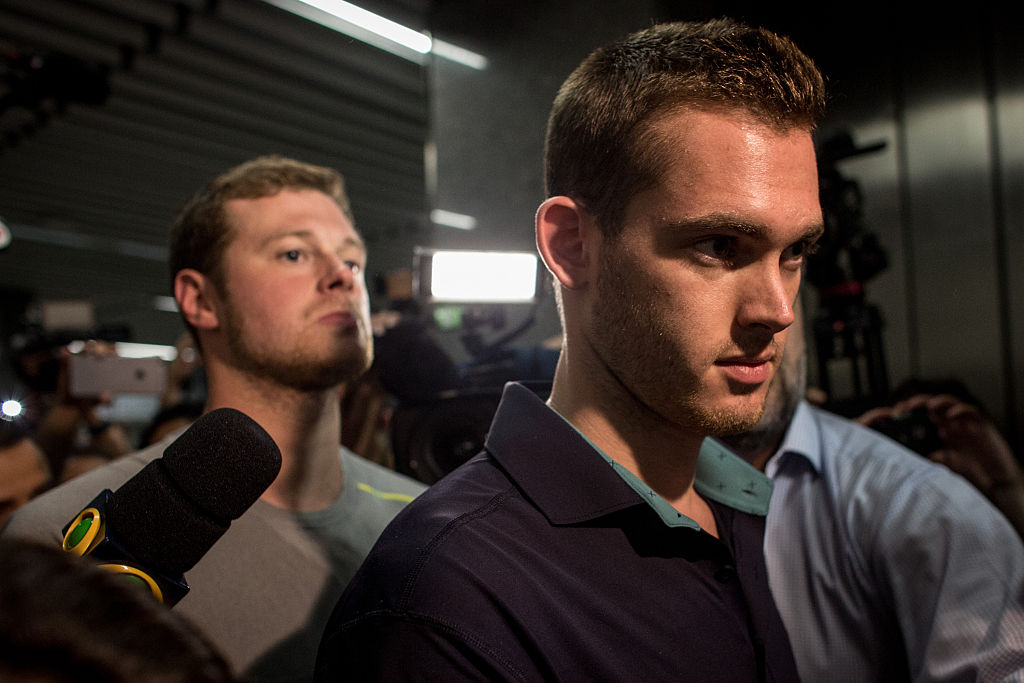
(57, 431)
(953, 570)
(187, 360)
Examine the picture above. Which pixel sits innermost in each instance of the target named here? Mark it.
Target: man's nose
(767, 298)
(339, 274)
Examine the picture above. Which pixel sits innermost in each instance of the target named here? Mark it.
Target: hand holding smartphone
(90, 376)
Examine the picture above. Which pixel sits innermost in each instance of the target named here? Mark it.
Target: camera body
(913, 429)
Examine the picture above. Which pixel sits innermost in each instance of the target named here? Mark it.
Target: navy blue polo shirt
(537, 561)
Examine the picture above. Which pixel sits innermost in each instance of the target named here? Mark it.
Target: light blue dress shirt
(887, 567)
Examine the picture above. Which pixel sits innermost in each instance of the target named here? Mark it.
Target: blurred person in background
(69, 429)
(24, 469)
(884, 566)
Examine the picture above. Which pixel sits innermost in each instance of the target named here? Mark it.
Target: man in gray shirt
(267, 271)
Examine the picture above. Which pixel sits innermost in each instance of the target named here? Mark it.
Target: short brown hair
(595, 150)
(201, 232)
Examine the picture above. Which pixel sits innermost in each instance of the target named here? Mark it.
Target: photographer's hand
(85, 406)
(58, 428)
(973, 448)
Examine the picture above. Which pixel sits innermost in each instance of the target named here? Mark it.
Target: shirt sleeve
(954, 568)
(43, 518)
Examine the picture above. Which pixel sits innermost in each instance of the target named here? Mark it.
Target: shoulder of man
(376, 479)
(43, 517)
(417, 599)
(950, 561)
(891, 495)
(418, 535)
(858, 453)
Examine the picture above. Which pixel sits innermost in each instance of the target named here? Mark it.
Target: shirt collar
(801, 439)
(721, 475)
(551, 463)
(572, 488)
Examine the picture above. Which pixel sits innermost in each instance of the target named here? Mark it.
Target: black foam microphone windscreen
(173, 511)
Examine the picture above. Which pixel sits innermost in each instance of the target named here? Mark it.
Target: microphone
(159, 523)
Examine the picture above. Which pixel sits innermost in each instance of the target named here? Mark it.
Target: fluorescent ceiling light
(483, 276)
(378, 31)
(452, 219)
(459, 54)
(374, 23)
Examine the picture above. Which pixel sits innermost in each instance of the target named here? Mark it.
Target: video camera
(847, 329)
(472, 294)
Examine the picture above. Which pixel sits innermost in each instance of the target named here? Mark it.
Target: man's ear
(197, 299)
(565, 240)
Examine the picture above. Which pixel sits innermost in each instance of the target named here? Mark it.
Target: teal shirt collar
(721, 476)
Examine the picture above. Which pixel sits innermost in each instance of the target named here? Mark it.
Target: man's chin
(347, 362)
(733, 418)
(319, 375)
(732, 426)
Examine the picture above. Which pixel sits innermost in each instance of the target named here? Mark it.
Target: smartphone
(90, 376)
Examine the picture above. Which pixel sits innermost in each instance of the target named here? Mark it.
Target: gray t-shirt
(263, 593)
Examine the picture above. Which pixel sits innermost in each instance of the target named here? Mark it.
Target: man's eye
(718, 246)
(799, 251)
(354, 266)
(292, 255)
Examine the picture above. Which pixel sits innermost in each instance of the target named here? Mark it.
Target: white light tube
(378, 31)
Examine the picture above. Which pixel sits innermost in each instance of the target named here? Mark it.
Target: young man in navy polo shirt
(599, 536)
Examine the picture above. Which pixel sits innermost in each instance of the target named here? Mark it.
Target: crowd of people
(674, 506)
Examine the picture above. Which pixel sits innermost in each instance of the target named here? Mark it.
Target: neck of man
(305, 425)
(758, 445)
(662, 454)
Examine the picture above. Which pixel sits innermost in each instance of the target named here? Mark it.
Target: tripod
(848, 339)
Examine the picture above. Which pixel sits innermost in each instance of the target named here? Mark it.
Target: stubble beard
(787, 389)
(639, 347)
(300, 369)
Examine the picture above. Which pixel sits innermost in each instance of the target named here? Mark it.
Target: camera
(444, 408)
(913, 429)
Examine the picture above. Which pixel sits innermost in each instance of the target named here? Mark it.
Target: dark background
(145, 100)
